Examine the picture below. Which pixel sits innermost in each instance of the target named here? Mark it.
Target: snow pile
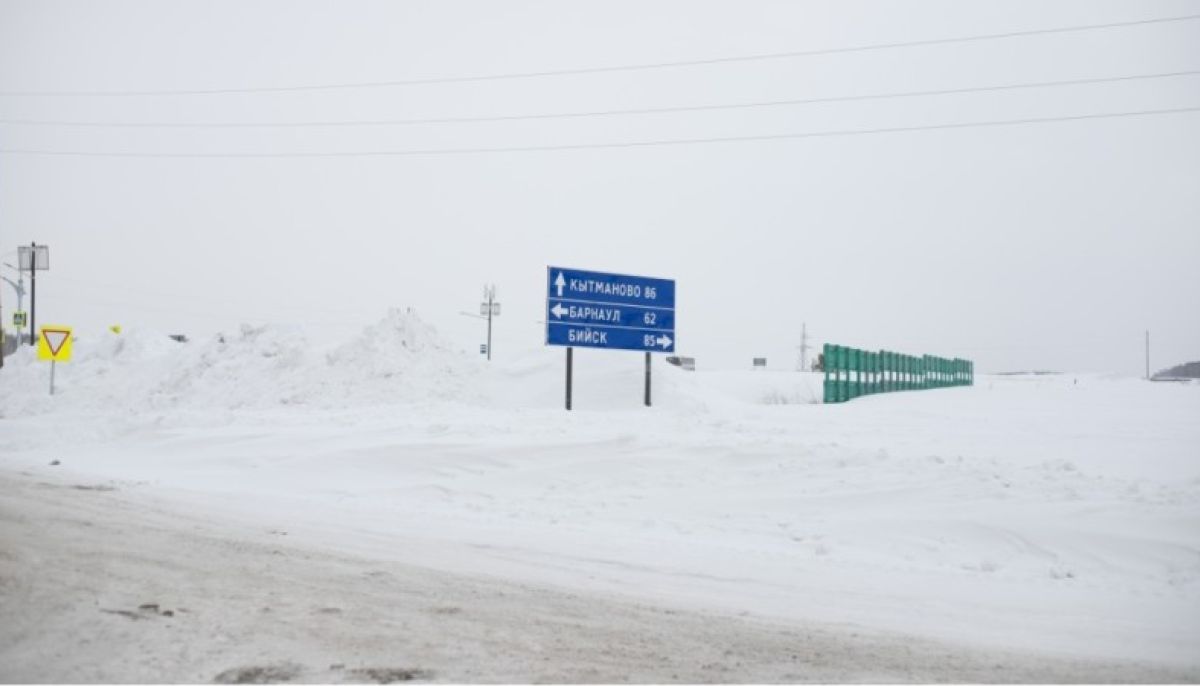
(400, 359)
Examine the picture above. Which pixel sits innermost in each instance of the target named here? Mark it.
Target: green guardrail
(851, 373)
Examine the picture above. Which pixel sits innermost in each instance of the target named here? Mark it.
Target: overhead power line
(599, 113)
(607, 69)
(600, 146)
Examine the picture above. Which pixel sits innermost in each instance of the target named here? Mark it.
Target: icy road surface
(1052, 518)
(104, 587)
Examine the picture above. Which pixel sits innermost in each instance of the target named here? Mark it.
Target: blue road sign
(616, 311)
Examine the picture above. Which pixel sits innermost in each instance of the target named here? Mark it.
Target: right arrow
(664, 341)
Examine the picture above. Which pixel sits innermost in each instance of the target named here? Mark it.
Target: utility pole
(804, 347)
(490, 308)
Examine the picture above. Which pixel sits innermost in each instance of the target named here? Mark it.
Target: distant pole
(492, 309)
(491, 296)
(803, 347)
(647, 378)
(1147, 354)
(569, 350)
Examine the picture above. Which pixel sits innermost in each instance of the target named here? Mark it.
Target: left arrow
(558, 310)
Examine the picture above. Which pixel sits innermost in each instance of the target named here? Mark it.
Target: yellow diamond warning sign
(54, 343)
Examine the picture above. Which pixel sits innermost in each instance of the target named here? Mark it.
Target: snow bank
(400, 359)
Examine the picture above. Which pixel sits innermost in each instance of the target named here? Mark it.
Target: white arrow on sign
(560, 282)
(559, 310)
(664, 341)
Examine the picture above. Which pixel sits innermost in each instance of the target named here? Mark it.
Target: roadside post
(54, 345)
(609, 311)
(647, 378)
(569, 365)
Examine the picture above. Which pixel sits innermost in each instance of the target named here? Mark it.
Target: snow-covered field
(1053, 516)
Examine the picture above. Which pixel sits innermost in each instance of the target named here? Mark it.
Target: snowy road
(107, 586)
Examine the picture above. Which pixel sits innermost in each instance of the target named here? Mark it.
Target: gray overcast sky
(1034, 246)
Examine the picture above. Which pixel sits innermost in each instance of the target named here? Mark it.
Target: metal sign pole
(32, 293)
(51, 377)
(491, 297)
(647, 378)
(569, 350)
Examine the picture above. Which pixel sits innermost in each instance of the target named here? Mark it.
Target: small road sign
(615, 311)
(33, 257)
(483, 348)
(19, 319)
(54, 343)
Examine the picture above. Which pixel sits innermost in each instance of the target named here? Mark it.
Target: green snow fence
(851, 373)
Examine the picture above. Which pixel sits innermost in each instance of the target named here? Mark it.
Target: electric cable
(603, 113)
(599, 146)
(607, 69)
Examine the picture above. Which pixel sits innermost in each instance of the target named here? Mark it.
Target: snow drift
(400, 359)
(1053, 514)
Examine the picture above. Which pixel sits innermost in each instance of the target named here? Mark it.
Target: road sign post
(609, 311)
(647, 378)
(569, 351)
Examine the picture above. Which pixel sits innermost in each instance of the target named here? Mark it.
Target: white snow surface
(1053, 514)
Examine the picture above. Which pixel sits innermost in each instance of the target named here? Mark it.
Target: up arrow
(559, 310)
(664, 341)
(560, 282)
